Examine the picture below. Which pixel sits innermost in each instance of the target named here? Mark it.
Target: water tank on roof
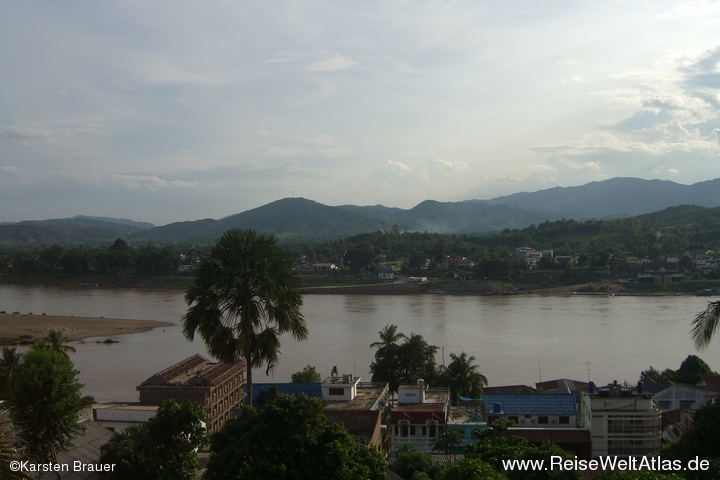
(591, 388)
(641, 387)
(497, 407)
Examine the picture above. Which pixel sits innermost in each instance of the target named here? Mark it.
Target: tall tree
(165, 448)
(243, 298)
(705, 324)
(56, 341)
(9, 362)
(462, 377)
(45, 403)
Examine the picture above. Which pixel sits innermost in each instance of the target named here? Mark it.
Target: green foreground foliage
(45, 403)
(165, 448)
(289, 439)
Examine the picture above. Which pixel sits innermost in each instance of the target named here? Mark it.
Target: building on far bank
(217, 387)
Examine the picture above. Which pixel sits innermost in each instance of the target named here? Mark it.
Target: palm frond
(705, 324)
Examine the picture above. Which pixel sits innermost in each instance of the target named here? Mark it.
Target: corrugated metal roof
(529, 404)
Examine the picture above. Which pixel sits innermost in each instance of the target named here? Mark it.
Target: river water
(515, 339)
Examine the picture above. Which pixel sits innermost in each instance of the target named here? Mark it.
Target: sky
(170, 111)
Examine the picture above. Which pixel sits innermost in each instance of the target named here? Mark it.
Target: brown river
(515, 339)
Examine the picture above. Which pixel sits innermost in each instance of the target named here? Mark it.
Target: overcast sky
(169, 110)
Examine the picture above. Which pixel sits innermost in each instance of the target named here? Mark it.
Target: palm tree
(705, 324)
(56, 341)
(463, 378)
(9, 361)
(244, 296)
(388, 336)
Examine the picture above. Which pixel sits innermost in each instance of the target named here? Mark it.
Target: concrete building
(622, 422)
(217, 387)
(542, 418)
(361, 407)
(116, 416)
(419, 416)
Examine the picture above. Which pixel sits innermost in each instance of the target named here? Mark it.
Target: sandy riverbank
(25, 328)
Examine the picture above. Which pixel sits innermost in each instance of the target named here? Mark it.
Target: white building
(116, 417)
(419, 416)
(621, 422)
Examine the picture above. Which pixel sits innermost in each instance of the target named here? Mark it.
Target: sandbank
(26, 328)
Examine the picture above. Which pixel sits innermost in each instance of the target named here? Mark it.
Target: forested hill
(301, 220)
(672, 231)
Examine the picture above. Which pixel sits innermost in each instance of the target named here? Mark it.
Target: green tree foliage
(45, 403)
(638, 475)
(243, 298)
(449, 442)
(358, 259)
(289, 439)
(462, 377)
(9, 362)
(165, 448)
(409, 463)
(307, 375)
(471, 469)
(56, 341)
(705, 325)
(691, 370)
(404, 363)
(493, 449)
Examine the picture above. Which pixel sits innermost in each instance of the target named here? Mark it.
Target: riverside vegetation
(600, 249)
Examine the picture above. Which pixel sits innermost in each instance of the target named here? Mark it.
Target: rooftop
(533, 404)
(195, 371)
(368, 396)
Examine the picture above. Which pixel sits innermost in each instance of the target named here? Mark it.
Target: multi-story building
(419, 416)
(622, 421)
(217, 387)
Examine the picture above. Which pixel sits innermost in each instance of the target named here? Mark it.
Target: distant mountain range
(302, 219)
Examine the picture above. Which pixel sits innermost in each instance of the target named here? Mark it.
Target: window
(433, 431)
(404, 428)
(543, 420)
(564, 419)
(336, 391)
(412, 430)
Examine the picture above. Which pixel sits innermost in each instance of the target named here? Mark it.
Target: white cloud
(452, 166)
(337, 63)
(150, 182)
(703, 10)
(398, 166)
(39, 133)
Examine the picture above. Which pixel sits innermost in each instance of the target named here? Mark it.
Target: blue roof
(533, 404)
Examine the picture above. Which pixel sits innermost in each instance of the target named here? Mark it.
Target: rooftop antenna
(539, 371)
